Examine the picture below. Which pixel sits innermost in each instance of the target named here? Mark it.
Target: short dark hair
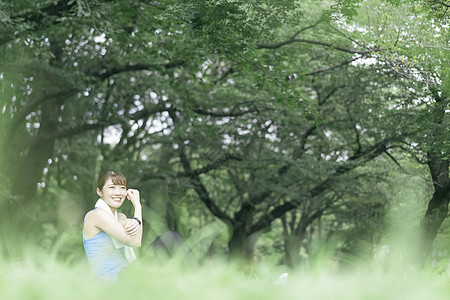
(116, 178)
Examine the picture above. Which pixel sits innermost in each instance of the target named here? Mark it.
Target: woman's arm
(123, 231)
(105, 222)
(131, 226)
(134, 196)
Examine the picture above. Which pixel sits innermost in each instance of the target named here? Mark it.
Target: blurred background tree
(279, 124)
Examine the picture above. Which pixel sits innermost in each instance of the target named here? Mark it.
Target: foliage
(49, 280)
(231, 113)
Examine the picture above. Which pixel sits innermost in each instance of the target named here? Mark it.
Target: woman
(108, 236)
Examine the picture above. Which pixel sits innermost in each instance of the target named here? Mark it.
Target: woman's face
(112, 194)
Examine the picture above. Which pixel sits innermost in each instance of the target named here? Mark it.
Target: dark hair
(116, 178)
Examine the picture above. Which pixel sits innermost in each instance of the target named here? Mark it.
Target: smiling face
(113, 194)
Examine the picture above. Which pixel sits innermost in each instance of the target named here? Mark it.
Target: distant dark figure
(171, 244)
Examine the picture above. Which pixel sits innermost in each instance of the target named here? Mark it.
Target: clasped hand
(131, 226)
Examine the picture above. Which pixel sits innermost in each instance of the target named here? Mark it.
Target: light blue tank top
(105, 259)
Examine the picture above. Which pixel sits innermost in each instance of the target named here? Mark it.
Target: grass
(44, 277)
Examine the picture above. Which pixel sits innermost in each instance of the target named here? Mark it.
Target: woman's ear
(99, 193)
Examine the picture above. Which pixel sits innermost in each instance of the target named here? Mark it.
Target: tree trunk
(294, 234)
(37, 158)
(438, 165)
(241, 245)
(292, 246)
(437, 207)
(19, 219)
(294, 240)
(27, 174)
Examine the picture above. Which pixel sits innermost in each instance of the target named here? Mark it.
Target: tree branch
(199, 188)
(298, 152)
(324, 70)
(19, 117)
(53, 10)
(94, 126)
(368, 154)
(212, 166)
(292, 38)
(305, 28)
(290, 41)
(106, 72)
(393, 158)
(231, 113)
(148, 111)
(440, 3)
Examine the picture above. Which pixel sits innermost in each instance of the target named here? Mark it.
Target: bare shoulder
(97, 220)
(90, 215)
(97, 214)
(90, 222)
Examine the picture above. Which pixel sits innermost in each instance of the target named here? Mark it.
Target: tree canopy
(274, 115)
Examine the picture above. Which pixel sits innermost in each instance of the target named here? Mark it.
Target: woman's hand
(133, 196)
(131, 226)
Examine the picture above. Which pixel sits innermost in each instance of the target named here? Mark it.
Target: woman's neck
(113, 209)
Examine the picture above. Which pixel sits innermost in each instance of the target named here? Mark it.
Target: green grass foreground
(45, 278)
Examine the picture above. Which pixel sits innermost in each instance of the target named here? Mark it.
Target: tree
(255, 109)
(414, 48)
(269, 192)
